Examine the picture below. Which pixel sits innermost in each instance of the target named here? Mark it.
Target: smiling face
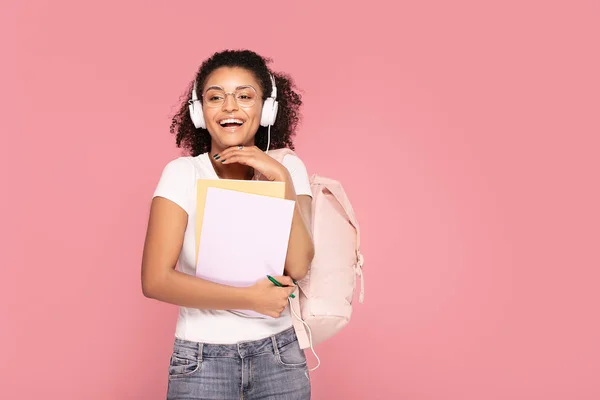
(233, 122)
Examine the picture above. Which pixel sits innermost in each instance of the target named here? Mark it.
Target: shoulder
(177, 181)
(179, 170)
(288, 158)
(297, 169)
(180, 164)
(294, 163)
(189, 166)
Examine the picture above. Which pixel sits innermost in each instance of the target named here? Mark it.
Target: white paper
(244, 238)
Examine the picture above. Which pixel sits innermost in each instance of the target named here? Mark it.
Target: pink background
(465, 133)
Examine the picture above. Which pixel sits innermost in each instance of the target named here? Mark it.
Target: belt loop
(200, 349)
(275, 348)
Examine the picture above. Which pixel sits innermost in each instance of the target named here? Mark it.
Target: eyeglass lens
(245, 96)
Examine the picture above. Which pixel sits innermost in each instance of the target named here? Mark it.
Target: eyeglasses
(245, 96)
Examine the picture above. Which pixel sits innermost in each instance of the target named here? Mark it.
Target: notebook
(265, 188)
(243, 238)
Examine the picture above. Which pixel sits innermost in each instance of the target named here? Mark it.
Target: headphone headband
(274, 90)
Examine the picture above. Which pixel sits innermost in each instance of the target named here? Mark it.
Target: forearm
(189, 291)
(300, 248)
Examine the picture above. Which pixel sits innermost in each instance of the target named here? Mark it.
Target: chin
(232, 140)
(227, 138)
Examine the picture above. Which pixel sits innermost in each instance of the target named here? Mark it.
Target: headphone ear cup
(269, 112)
(196, 114)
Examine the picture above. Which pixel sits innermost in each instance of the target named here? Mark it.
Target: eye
(245, 94)
(214, 96)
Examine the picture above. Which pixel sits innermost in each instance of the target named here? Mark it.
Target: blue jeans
(270, 368)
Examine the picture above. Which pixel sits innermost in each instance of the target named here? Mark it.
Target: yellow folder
(264, 188)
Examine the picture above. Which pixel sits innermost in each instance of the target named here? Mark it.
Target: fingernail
(292, 296)
(223, 160)
(216, 156)
(295, 283)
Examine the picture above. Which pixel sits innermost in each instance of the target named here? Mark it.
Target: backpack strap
(279, 154)
(303, 339)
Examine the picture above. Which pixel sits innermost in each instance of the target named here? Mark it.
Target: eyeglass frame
(229, 93)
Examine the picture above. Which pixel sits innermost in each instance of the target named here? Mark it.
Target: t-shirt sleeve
(298, 173)
(177, 183)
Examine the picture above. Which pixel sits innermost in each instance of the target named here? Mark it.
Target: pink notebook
(244, 238)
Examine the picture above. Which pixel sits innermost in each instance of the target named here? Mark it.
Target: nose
(229, 104)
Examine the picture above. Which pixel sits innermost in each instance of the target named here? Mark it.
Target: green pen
(279, 284)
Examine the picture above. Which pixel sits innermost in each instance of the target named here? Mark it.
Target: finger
(225, 154)
(244, 159)
(246, 149)
(227, 151)
(235, 150)
(241, 153)
(284, 293)
(284, 280)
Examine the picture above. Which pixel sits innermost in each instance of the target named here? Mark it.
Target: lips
(231, 123)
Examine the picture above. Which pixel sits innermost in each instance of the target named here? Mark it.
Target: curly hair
(197, 140)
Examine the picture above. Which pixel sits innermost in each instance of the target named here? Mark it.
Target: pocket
(291, 355)
(183, 364)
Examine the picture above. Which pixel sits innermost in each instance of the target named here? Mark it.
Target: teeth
(231, 121)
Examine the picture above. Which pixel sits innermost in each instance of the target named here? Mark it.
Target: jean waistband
(241, 349)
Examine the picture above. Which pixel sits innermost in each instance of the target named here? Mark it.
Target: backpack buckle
(358, 269)
(361, 259)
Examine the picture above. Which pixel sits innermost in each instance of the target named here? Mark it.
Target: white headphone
(267, 118)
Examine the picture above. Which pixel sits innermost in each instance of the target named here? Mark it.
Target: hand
(255, 158)
(268, 299)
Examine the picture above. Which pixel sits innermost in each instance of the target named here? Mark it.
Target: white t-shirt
(178, 184)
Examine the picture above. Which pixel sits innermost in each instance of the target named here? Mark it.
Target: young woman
(219, 354)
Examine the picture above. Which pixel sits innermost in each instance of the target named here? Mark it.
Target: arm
(160, 280)
(301, 248)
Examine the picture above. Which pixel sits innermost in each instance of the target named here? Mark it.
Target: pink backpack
(327, 291)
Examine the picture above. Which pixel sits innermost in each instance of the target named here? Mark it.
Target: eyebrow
(221, 88)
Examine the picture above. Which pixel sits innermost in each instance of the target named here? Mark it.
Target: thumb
(290, 289)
